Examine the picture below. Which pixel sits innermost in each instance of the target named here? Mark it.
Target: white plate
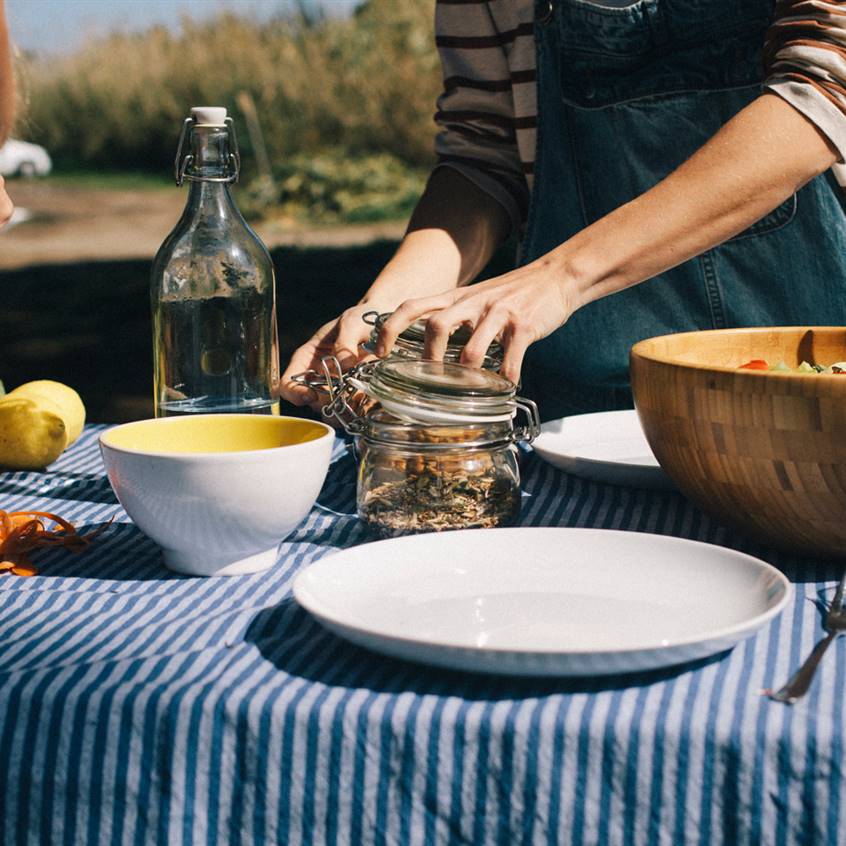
(608, 446)
(543, 601)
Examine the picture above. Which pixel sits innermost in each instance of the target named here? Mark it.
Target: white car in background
(24, 159)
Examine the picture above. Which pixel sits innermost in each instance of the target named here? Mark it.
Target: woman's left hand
(517, 309)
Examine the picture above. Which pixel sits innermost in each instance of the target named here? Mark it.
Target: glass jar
(425, 477)
(411, 342)
(437, 447)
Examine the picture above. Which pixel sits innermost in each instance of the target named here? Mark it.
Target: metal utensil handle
(835, 624)
(800, 681)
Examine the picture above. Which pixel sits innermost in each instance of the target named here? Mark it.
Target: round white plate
(608, 446)
(543, 601)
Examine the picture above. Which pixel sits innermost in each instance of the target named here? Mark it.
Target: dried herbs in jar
(422, 478)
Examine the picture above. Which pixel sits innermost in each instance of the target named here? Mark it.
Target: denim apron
(625, 95)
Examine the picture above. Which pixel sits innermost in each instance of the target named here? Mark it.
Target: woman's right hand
(342, 338)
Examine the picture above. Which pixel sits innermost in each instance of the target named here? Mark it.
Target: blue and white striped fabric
(139, 707)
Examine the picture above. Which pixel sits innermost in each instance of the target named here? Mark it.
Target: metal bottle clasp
(181, 164)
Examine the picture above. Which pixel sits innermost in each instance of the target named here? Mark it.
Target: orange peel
(24, 532)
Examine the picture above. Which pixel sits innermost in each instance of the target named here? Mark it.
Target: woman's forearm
(454, 231)
(754, 163)
(7, 85)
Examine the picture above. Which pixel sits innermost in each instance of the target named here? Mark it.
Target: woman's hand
(517, 308)
(451, 236)
(6, 205)
(342, 338)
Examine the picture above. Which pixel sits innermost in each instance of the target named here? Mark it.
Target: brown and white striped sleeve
(805, 63)
(478, 127)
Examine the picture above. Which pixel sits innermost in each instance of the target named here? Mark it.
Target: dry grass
(363, 85)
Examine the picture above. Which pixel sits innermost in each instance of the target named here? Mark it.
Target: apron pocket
(778, 217)
(622, 151)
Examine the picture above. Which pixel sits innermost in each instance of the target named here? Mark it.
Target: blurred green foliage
(343, 104)
(334, 187)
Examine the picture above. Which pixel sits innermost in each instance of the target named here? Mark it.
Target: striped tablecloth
(139, 707)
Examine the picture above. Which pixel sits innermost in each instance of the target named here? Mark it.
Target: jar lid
(414, 338)
(421, 391)
(440, 391)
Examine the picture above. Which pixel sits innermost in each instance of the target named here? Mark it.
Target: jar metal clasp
(346, 390)
(532, 427)
(342, 387)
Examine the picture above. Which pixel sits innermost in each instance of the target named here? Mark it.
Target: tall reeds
(362, 85)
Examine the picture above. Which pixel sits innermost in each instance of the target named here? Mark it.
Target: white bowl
(218, 492)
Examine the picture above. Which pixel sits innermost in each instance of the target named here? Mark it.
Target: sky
(55, 26)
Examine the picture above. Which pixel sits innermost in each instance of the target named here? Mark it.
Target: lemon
(57, 398)
(31, 436)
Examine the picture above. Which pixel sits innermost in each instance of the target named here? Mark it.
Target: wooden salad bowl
(762, 451)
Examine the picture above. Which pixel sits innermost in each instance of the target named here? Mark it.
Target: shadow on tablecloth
(291, 640)
(122, 552)
(73, 487)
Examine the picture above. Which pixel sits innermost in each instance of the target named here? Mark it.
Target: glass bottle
(215, 346)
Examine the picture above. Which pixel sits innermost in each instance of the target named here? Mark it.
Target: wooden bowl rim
(642, 350)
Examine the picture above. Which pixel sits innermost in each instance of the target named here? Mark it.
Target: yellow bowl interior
(212, 433)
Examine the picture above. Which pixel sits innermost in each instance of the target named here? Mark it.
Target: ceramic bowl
(763, 451)
(218, 492)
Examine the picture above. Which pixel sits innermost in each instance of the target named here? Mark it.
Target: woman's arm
(7, 106)
(453, 232)
(476, 195)
(757, 160)
(724, 187)
(7, 83)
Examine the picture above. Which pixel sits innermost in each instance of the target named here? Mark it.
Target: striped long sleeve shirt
(487, 113)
